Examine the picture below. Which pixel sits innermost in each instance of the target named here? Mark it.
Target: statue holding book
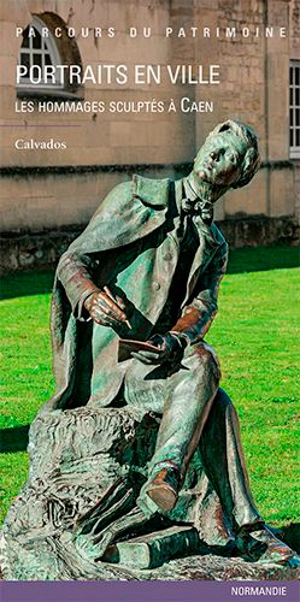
(134, 297)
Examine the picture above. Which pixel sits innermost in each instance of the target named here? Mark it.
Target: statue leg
(190, 394)
(225, 466)
(195, 412)
(184, 398)
(224, 462)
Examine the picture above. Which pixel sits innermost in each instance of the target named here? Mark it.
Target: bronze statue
(147, 269)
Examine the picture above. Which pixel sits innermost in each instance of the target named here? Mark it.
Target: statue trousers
(195, 412)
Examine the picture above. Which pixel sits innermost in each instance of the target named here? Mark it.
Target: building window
(42, 53)
(295, 109)
(36, 53)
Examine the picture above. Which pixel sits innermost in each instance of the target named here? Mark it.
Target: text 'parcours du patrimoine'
(117, 74)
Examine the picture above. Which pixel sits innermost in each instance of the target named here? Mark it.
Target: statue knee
(204, 357)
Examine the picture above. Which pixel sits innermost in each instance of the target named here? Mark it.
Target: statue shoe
(258, 543)
(163, 489)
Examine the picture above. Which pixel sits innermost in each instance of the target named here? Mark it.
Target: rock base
(76, 459)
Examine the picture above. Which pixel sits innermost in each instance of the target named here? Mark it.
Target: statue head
(229, 157)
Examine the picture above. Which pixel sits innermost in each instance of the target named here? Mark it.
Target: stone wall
(41, 189)
(62, 196)
(102, 138)
(294, 27)
(42, 250)
(297, 189)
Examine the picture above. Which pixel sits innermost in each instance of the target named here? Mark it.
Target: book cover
(93, 92)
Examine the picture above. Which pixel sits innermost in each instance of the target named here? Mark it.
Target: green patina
(127, 452)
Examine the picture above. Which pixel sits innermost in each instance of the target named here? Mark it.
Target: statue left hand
(170, 347)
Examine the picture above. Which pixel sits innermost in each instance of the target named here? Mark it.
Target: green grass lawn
(256, 335)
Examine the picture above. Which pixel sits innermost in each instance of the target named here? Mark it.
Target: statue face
(218, 162)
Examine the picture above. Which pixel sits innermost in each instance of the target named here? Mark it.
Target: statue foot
(163, 489)
(258, 543)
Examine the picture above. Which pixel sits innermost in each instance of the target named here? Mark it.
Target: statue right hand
(104, 309)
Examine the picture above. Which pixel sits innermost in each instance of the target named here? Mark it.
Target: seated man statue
(148, 268)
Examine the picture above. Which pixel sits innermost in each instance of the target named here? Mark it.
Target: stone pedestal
(77, 459)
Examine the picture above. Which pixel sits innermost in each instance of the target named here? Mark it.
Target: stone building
(49, 191)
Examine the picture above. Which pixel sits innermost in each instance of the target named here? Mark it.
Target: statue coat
(138, 220)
